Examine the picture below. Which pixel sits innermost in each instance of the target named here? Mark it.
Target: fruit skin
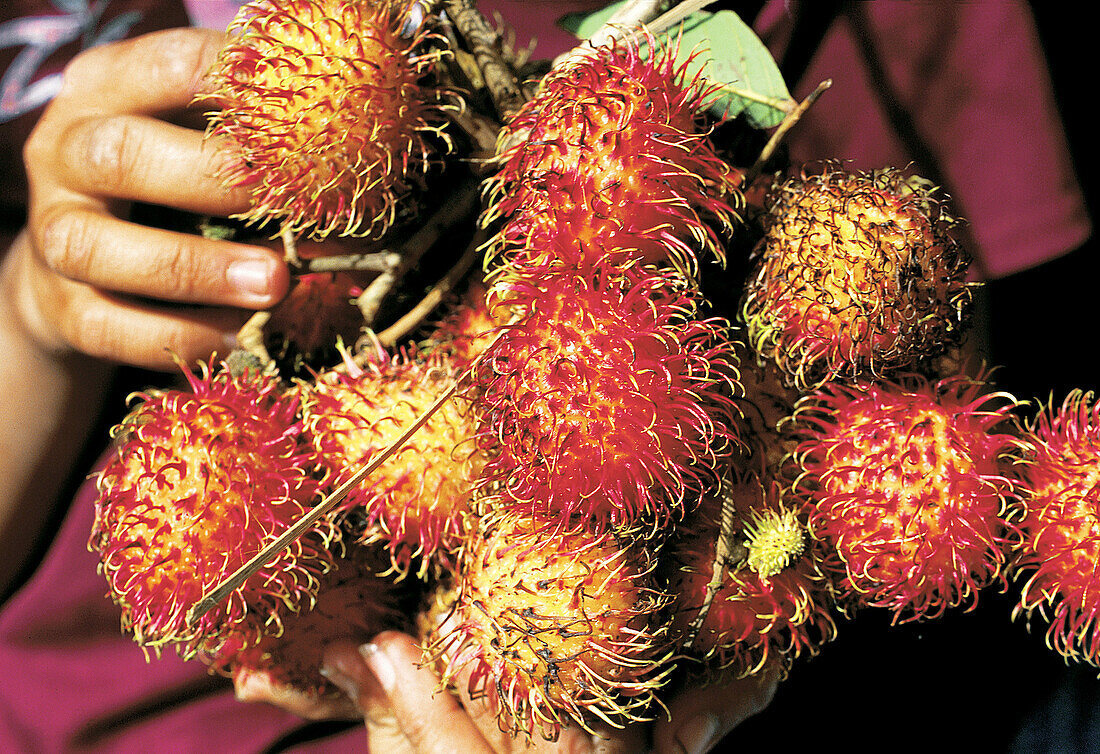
(910, 483)
(202, 479)
(1061, 544)
(606, 404)
(757, 617)
(328, 114)
(857, 276)
(608, 162)
(418, 502)
(317, 314)
(352, 603)
(555, 632)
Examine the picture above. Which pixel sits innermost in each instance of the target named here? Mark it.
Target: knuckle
(173, 267)
(106, 151)
(182, 57)
(88, 330)
(65, 241)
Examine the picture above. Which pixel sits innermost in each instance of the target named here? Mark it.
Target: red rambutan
(352, 603)
(606, 404)
(607, 162)
(908, 484)
(1060, 553)
(201, 482)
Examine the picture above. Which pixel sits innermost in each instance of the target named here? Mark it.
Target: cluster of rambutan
(607, 403)
(610, 484)
(919, 484)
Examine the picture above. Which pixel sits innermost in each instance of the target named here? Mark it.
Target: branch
(483, 41)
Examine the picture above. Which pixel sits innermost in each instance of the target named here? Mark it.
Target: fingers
(701, 716)
(63, 316)
(165, 70)
(386, 674)
(96, 249)
(147, 160)
(258, 687)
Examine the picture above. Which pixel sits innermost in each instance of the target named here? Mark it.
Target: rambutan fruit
(469, 327)
(352, 603)
(909, 484)
(328, 112)
(317, 314)
(201, 481)
(606, 404)
(608, 161)
(555, 631)
(418, 502)
(857, 275)
(765, 597)
(1060, 552)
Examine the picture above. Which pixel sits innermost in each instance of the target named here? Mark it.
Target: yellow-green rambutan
(857, 275)
(756, 600)
(555, 631)
(418, 503)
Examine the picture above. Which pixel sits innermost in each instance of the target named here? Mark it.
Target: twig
(457, 207)
(412, 319)
(377, 261)
(629, 22)
(781, 130)
(250, 337)
(726, 553)
(483, 41)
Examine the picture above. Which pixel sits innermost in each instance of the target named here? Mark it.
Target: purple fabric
(972, 82)
(72, 682)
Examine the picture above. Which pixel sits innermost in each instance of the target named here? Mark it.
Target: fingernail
(380, 665)
(341, 681)
(697, 734)
(252, 276)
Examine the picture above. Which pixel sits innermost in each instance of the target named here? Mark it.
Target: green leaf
(584, 25)
(727, 52)
(734, 56)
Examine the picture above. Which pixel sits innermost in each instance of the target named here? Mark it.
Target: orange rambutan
(327, 111)
(1060, 552)
(554, 632)
(201, 481)
(908, 483)
(608, 161)
(765, 597)
(606, 404)
(857, 275)
(418, 502)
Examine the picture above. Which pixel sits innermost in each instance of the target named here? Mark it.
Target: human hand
(85, 279)
(405, 711)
